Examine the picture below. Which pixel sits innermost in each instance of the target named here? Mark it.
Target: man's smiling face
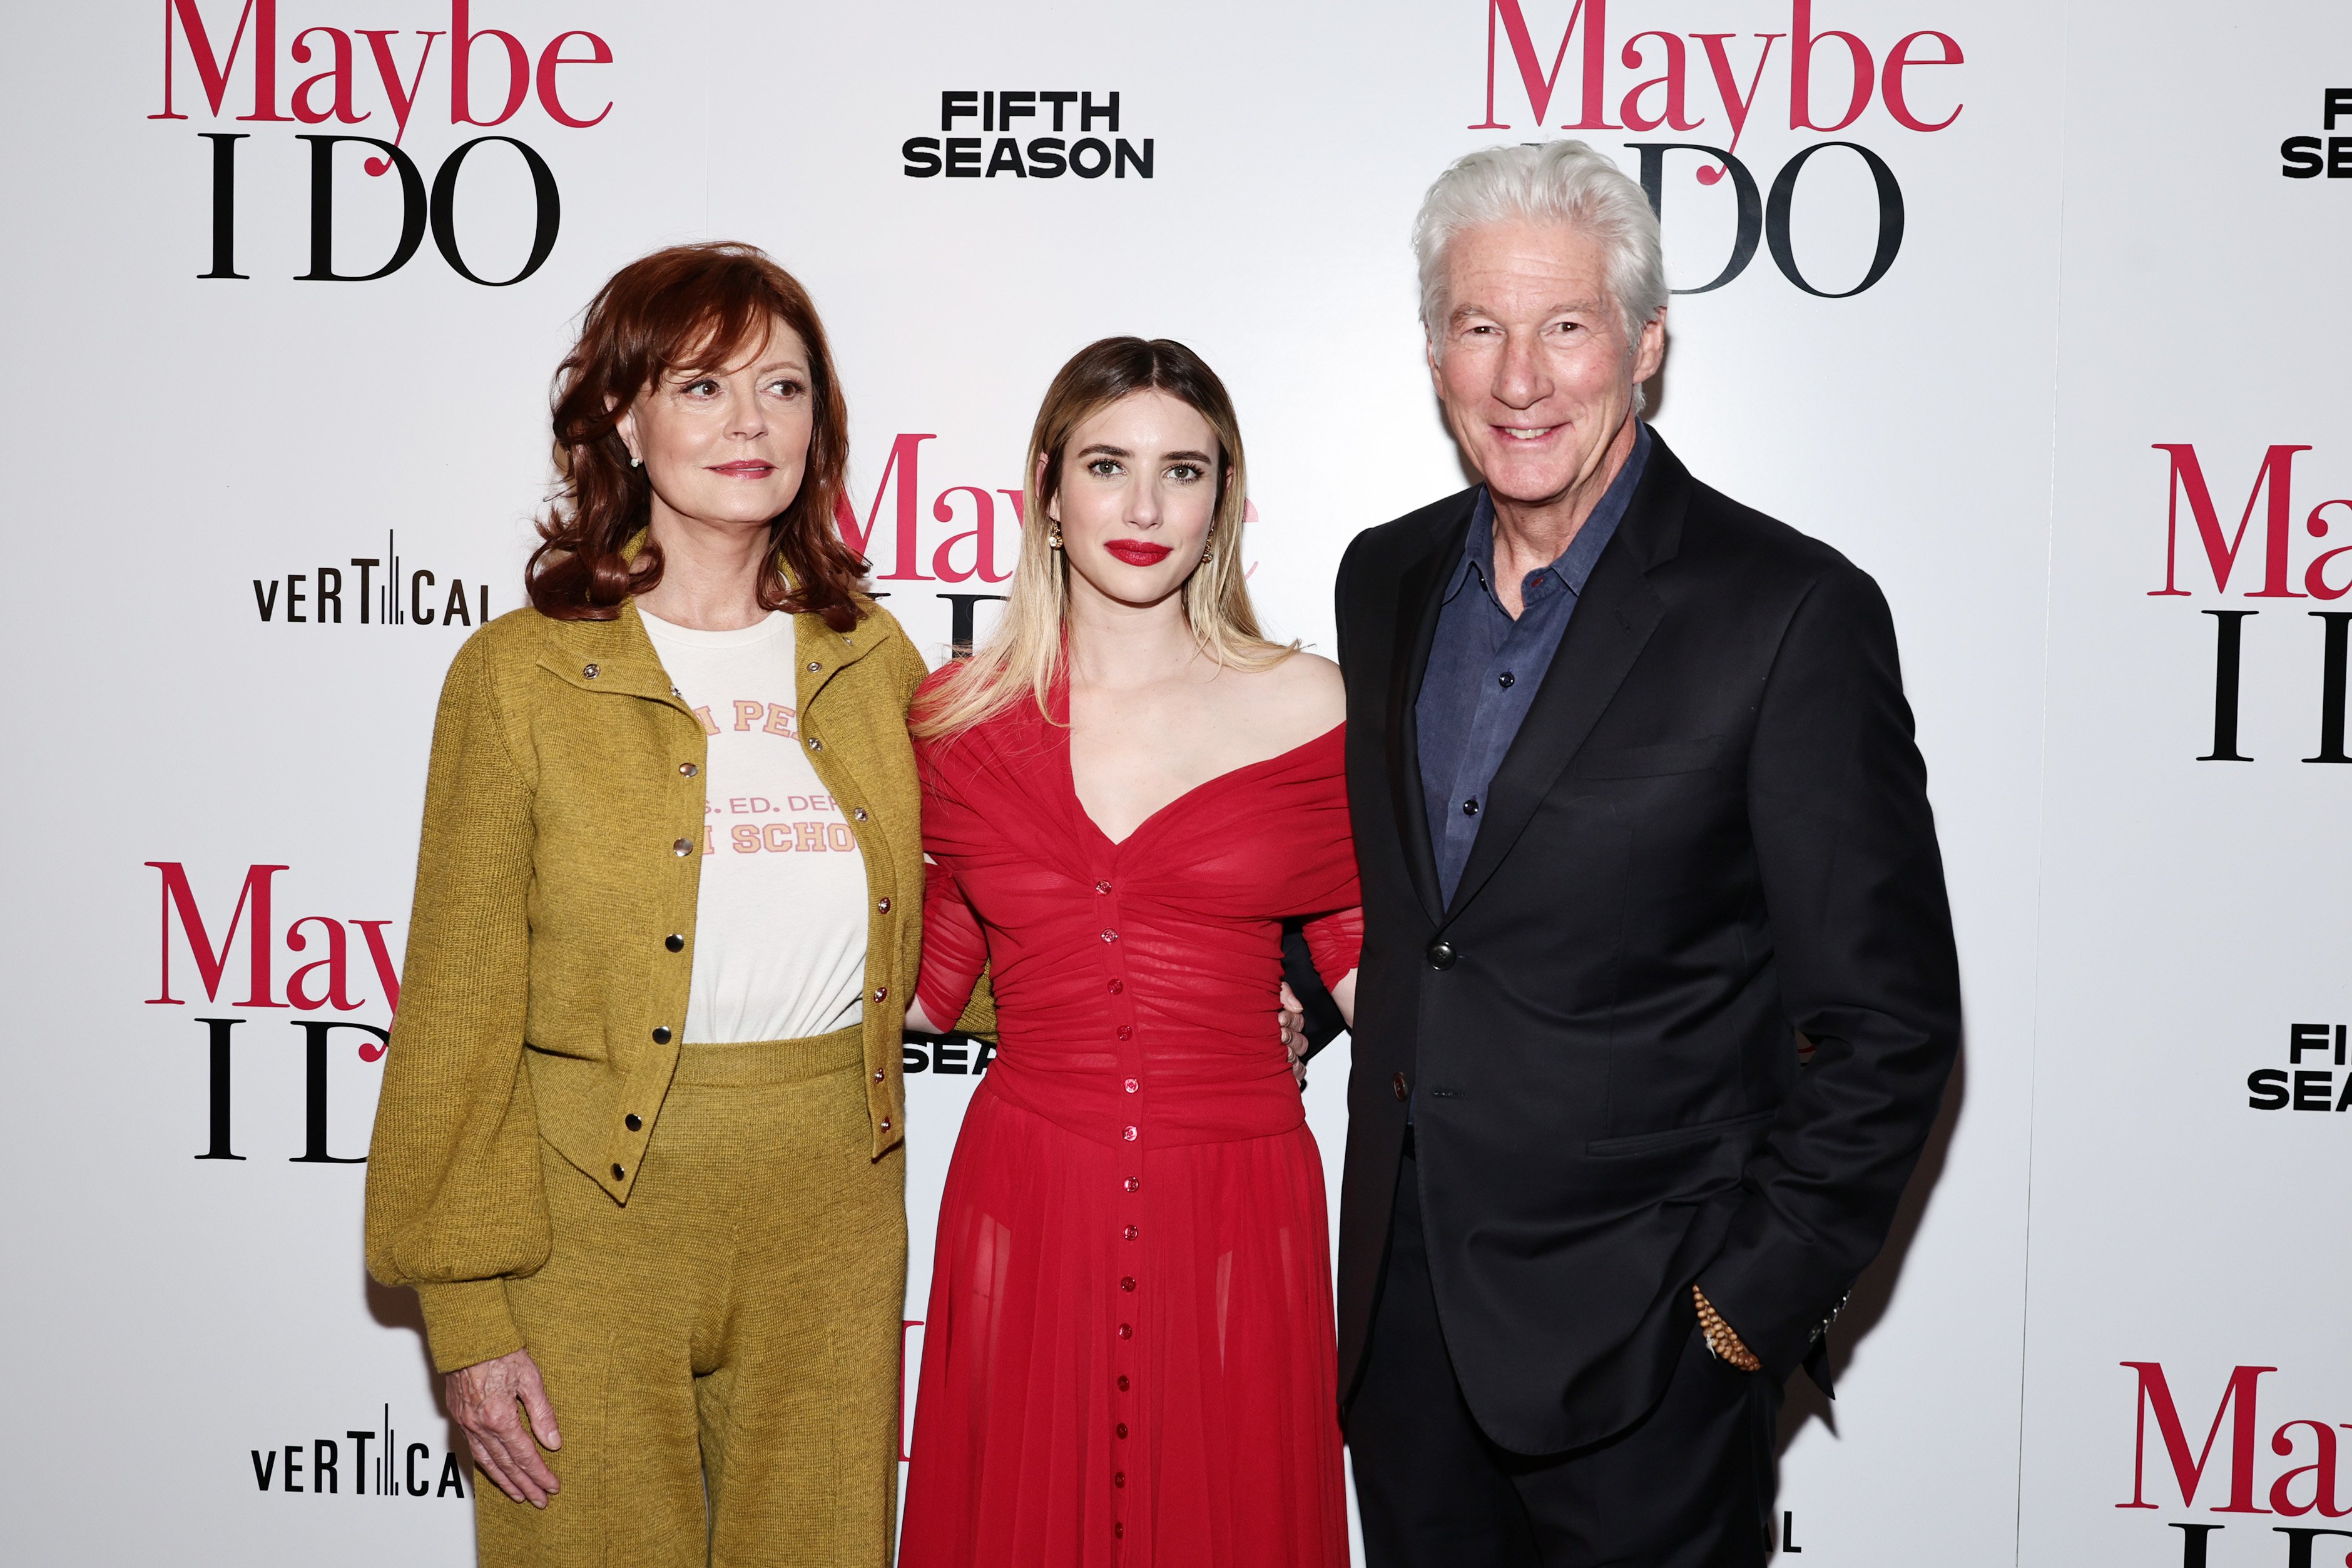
(1531, 358)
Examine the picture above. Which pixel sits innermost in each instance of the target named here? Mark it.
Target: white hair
(1563, 182)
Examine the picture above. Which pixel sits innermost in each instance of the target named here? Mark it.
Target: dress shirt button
(1127, 1284)
(1130, 1232)
(859, 813)
(689, 769)
(674, 943)
(1126, 1332)
(633, 1122)
(1121, 1428)
(1129, 1134)
(1102, 887)
(1118, 1478)
(618, 1173)
(683, 848)
(1398, 1086)
(1132, 1086)
(1440, 955)
(1470, 806)
(881, 993)
(1111, 936)
(1118, 1529)
(588, 670)
(1507, 681)
(1135, 1183)
(1127, 1031)
(1122, 1383)
(661, 1034)
(1117, 986)
(882, 906)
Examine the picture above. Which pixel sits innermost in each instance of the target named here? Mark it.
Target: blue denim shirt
(1484, 667)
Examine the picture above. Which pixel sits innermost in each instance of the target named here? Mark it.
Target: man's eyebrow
(1571, 307)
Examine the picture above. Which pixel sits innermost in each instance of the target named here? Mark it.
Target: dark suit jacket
(1711, 833)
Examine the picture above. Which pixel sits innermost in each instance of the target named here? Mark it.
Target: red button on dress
(1225, 1448)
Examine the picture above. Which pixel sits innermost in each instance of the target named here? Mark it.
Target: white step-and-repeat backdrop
(2034, 309)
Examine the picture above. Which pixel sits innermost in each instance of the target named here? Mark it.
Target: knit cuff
(468, 1321)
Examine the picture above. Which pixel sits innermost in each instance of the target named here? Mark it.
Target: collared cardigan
(551, 940)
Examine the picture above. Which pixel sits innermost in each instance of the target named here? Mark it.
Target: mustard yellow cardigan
(544, 992)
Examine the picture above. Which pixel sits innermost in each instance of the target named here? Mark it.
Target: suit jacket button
(661, 1034)
(674, 943)
(633, 1121)
(1440, 955)
(1397, 1084)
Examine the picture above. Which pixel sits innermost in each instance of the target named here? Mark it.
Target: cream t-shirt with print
(779, 924)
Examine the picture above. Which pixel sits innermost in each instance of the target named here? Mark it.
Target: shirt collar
(1574, 565)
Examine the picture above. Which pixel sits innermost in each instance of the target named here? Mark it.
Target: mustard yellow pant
(722, 1353)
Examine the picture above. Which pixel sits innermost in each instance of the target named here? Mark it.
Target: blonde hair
(1025, 656)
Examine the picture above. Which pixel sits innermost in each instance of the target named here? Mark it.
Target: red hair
(689, 309)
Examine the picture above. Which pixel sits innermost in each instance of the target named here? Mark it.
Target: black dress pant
(1689, 1486)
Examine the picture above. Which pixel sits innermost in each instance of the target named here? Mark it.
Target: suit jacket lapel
(1612, 624)
(1416, 629)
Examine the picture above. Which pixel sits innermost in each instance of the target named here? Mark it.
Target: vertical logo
(320, 1467)
(381, 590)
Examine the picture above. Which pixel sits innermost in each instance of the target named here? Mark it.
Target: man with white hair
(1638, 808)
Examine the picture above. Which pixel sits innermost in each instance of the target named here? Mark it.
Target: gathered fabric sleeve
(1336, 941)
(953, 982)
(955, 954)
(455, 1204)
(1328, 898)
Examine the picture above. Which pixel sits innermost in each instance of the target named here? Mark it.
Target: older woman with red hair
(638, 1150)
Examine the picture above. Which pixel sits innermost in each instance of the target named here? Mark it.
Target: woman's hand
(482, 1401)
(1293, 1033)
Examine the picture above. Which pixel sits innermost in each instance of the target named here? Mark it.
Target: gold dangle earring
(1208, 547)
(1054, 538)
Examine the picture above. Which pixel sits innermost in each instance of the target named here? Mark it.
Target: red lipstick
(1138, 551)
(744, 469)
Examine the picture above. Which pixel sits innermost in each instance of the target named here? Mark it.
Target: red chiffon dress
(1128, 1357)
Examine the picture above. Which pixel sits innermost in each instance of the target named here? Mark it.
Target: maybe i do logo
(1828, 78)
(216, 61)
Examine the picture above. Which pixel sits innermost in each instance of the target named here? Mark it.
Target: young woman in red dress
(1128, 1357)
